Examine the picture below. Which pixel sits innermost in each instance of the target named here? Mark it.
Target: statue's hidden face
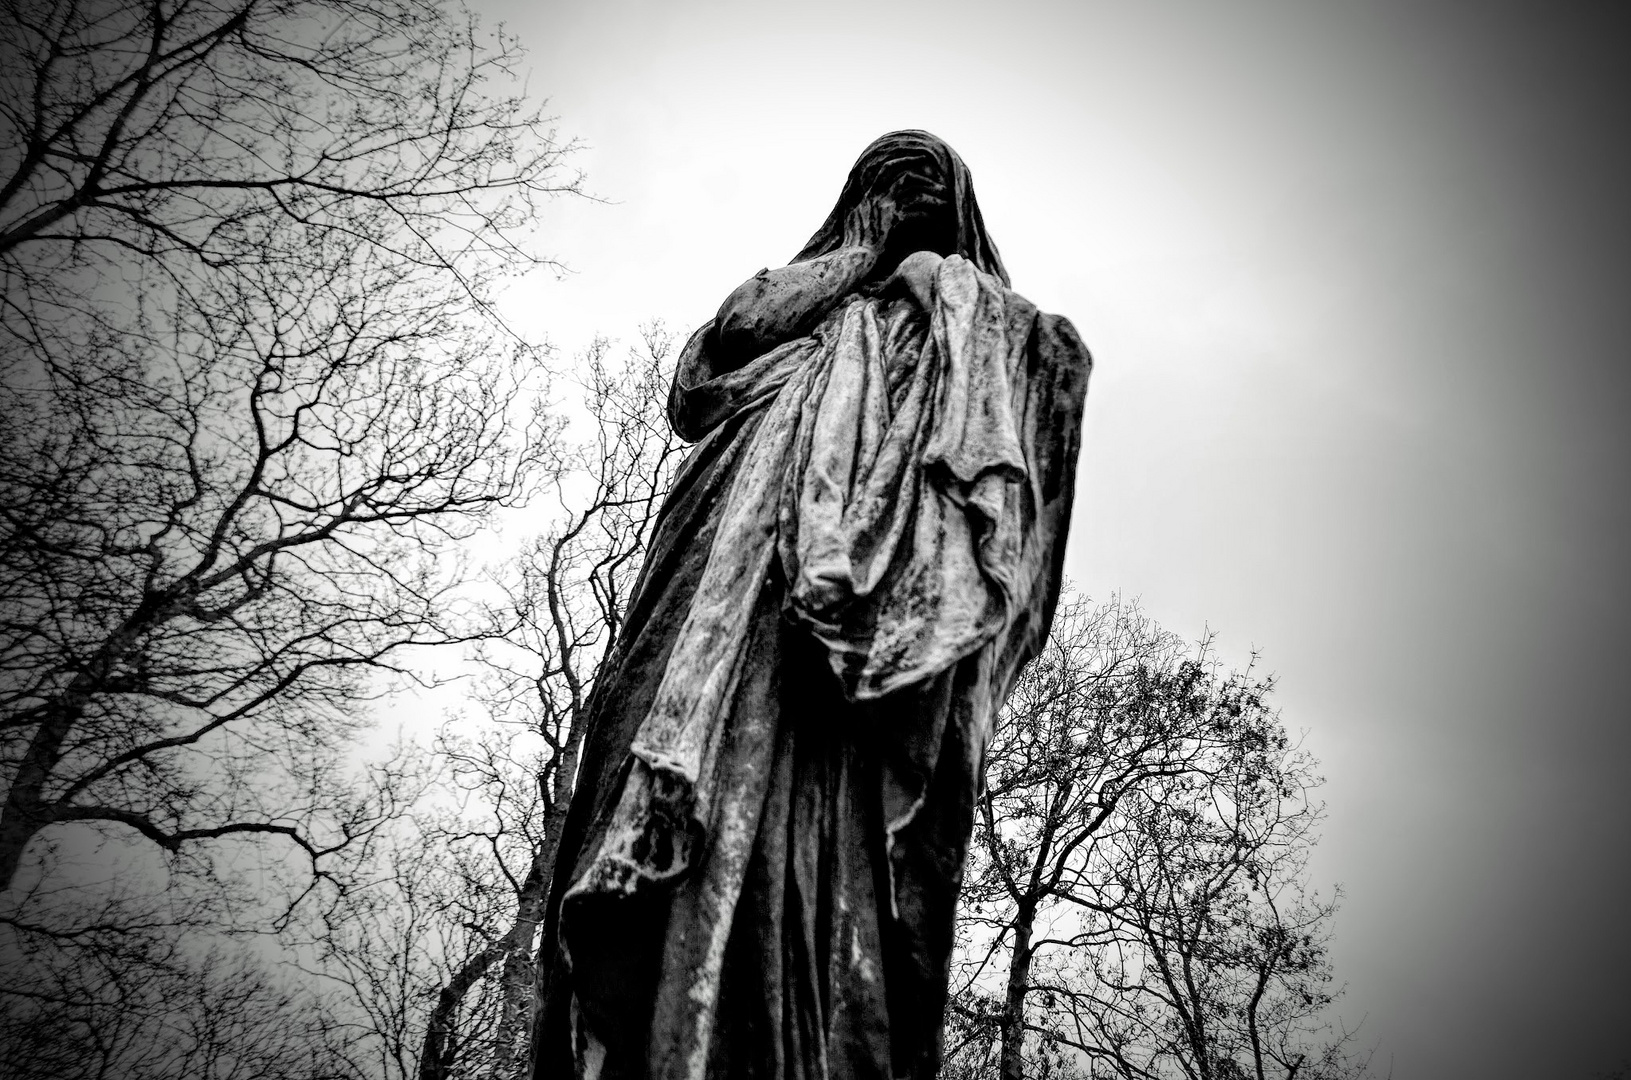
(924, 217)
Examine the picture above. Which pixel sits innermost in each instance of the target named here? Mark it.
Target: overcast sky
(1357, 278)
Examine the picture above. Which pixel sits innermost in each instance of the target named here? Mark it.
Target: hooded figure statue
(758, 874)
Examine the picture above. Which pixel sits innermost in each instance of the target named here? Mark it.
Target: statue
(759, 871)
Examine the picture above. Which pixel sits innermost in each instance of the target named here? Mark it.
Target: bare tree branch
(1137, 873)
(256, 387)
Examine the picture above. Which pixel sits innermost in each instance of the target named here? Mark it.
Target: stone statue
(760, 867)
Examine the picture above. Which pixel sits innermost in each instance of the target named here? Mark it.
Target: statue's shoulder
(1059, 346)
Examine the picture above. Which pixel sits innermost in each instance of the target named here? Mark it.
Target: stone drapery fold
(902, 489)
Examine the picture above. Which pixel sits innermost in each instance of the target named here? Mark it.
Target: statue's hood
(878, 164)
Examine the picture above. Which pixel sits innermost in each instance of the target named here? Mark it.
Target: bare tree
(562, 614)
(438, 956)
(1116, 736)
(135, 988)
(1214, 962)
(254, 394)
(393, 953)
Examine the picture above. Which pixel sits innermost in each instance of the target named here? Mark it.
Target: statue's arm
(774, 306)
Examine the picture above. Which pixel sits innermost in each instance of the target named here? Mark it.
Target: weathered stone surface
(761, 864)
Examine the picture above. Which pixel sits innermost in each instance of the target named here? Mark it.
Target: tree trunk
(565, 782)
(517, 979)
(23, 813)
(1019, 982)
(1251, 1022)
(26, 809)
(441, 1046)
(517, 982)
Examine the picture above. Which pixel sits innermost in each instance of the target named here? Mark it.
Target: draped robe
(759, 871)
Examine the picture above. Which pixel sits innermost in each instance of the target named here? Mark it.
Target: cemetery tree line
(256, 400)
